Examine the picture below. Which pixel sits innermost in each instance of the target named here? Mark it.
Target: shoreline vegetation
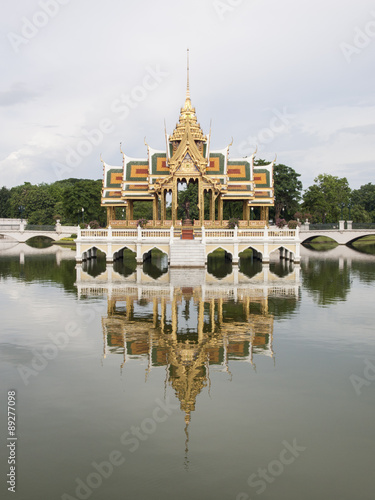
(66, 242)
(74, 201)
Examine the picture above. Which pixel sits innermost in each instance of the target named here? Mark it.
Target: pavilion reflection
(201, 325)
(187, 334)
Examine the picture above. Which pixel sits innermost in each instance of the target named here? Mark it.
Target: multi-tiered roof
(188, 157)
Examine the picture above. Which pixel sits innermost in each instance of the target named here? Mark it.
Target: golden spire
(187, 115)
(187, 72)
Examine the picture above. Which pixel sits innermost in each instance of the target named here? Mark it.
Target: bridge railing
(322, 227)
(135, 233)
(338, 226)
(9, 227)
(92, 233)
(155, 233)
(261, 234)
(283, 233)
(139, 233)
(363, 225)
(219, 233)
(36, 227)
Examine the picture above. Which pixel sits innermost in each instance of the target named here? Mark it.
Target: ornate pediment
(187, 166)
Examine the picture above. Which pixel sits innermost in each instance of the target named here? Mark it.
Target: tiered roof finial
(188, 116)
(188, 85)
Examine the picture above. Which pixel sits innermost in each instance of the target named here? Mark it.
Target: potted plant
(280, 223)
(142, 222)
(293, 224)
(233, 222)
(94, 224)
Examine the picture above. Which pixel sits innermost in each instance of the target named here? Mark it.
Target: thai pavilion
(187, 158)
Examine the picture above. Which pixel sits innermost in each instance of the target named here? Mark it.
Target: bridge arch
(44, 236)
(285, 252)
(146, 252)
(118, 254)
(7, 236)
(357, 238)
(310, 239)
(91, 251)
(256, 253)
(228, 253)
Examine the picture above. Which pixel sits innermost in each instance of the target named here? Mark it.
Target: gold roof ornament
(187, 115)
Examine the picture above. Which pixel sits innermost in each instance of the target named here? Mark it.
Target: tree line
(329, 199)
(45, 203)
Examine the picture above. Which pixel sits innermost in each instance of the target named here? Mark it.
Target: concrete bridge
(189, 253)
(11, 248)
(17, 230)
(342, 237)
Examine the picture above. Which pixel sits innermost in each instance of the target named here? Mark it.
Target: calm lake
(255, 381)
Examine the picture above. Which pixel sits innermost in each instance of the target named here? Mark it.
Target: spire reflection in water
(190, 322)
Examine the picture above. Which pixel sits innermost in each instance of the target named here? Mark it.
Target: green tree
(233, 210)
(188, 202)
(287, 190)
(86, 194)
(33, 202)
(327, 197)
(4, 202)
(363, 203)
(143, 210)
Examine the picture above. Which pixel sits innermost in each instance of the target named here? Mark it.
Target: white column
(235, 275)
(266, 270)
(109, 268)
(139, 253)
(235, 246)
(265, 257)
(297, 272)
(139, 245)
(297, 254)
(78, 245)
(109, 257)
(171, 233)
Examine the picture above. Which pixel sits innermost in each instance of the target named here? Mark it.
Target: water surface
(193, 386)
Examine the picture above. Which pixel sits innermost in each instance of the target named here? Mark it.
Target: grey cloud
(17, 94)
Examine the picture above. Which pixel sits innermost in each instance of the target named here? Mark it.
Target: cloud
(17, 94)
(256, 57)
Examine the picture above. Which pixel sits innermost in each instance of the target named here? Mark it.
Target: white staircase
(187, 253)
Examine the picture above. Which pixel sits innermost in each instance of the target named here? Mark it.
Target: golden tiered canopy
(187, 158)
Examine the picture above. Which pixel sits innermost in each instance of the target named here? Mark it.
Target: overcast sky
(294, 77)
